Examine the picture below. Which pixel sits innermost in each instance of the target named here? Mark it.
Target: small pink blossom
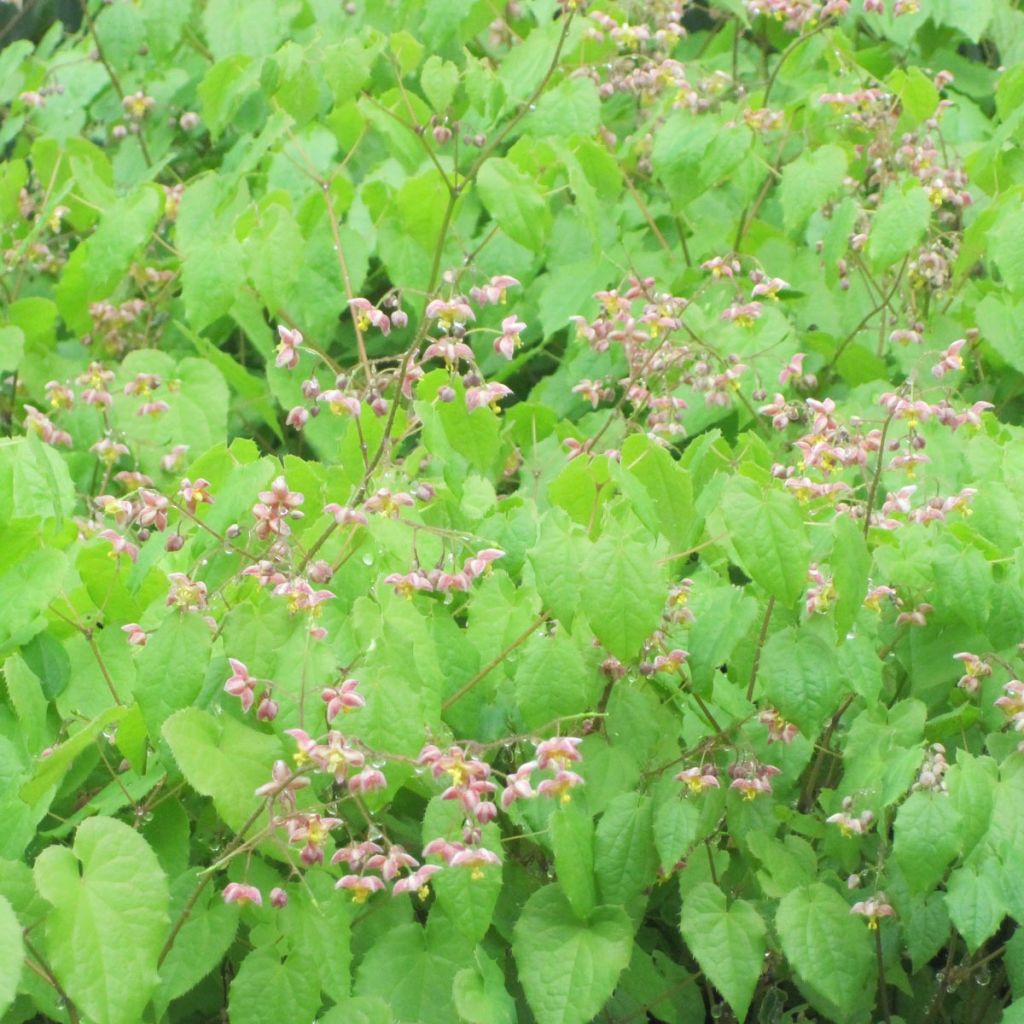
(486, 394)
(237, 892)
(288, 347)
(361, 886)
(698, 778)
(120, 545)
(342, 699)
(417, 882)
(344, 515)
(240, 684)
(367, 315)
(278, 898)
(509, 340)
(950, 360)
(794, 368)
(137, 636)
(476, 859)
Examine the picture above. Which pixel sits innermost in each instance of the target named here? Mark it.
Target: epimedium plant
(512, 512)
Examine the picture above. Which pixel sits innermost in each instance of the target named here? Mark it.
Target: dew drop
(367, 559)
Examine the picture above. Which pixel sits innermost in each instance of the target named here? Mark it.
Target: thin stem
(815, 772)
(883, 989)
(872, 493)
(760, 645)
(91, 641)
(42, 968)
(495, 662)
(787, 53)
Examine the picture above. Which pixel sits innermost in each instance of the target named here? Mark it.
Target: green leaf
(568, 967)
(727, 941)
(667, 485)
(572, 838)
(830, 951)
(222, 759)
(809, 181)
(555, 559)
(171, 668)
(769, 537)
(439, 80)
(572, 107)
(676, 824)
(12, 347)
(801, 677)
(975, 901)
(269, 989)
(1006, 248)
(109, 919)
(553, 681)
(624, 591)
(625, 860)
(898, 225)
(212, 273)
(26, 590)
(412, 969)
(722, 617)
(850, 563)
(10, 954)
(205, 937)
(925, 838)
(513, 200)
(53, 768)
(97, 266)
(480, 995)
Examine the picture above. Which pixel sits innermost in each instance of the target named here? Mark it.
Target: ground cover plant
(512, 512)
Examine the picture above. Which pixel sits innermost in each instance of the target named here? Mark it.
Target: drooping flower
(288, 347)
(238, 892)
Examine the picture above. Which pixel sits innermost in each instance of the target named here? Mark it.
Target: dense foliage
(513, 512)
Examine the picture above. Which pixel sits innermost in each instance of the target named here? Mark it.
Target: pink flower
(560, 785)
(357, 855)
(393, 862)
(494, 292)
(341, 699)
(361, 886)
(344, 515)
(278, 898)
(339, 403)
(240, 684)
(121, 545)
(698, 779)
(297, 417)
(287, 349)
(267, 709)
(366, 314)
(743, 314)
(449, 312)
(185, 593)
(417, 882)
(481, 561)
(237, 892)
(517, 785)
(873, 909)
(950, 359)
(194, 494)
(558, 752)
(794, 368)
(450, 350)
(367, 781)
(476, 859)
(137, 637)
(282, 785)
(509, 340)
(486, 394)
(407, 584)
